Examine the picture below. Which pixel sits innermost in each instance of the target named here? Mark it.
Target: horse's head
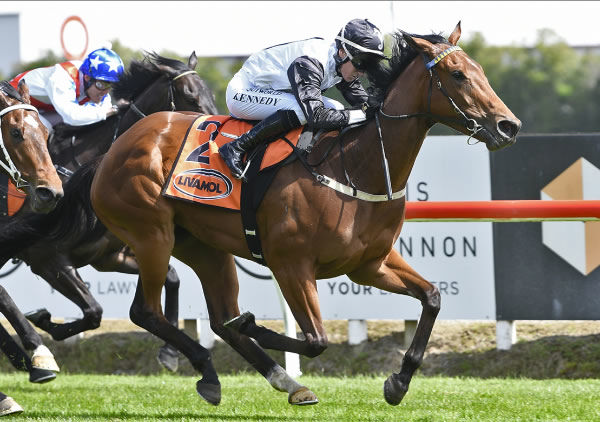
(24, 153)
(460, 94)
(190, 92)
(161, 84)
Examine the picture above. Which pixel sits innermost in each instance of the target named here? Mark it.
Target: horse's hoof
(9, 406)
(168, 358)
(302, 397)
(209, 392)
(40, 376)
(240, 322)
(394, 390)
(44, 359)
(39, 317)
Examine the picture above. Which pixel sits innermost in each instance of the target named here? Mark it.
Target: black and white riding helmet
(363, 43)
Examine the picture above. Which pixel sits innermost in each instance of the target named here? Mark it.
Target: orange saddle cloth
(200, 175)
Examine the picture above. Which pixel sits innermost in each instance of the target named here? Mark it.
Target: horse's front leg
(123, 261)
(396, 276)
(217, 272)
(153, 247)
(42, 359)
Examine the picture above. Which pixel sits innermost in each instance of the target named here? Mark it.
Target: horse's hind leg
(217, 272)
(66, 280)
(396, 276)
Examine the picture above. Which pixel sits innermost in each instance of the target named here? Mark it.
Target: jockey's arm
(305, 75)
(353, 92)
(63, 95)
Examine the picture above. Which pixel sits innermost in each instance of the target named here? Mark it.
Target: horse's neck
(152, 99)
(75, 149)
(403, 137)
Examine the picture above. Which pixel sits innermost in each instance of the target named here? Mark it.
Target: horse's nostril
(508, 128)
(46, 195)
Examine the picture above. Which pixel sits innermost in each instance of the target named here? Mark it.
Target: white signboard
(456, 257)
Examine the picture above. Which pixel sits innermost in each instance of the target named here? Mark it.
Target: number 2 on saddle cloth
(200, 175)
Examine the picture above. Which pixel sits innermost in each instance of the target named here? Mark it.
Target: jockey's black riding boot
(266, 130)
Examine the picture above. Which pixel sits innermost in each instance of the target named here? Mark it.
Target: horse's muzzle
(44, 199)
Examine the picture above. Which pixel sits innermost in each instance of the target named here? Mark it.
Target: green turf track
(250, 398)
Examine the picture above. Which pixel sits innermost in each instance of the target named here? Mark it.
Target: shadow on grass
(569, 357)
(121, 416)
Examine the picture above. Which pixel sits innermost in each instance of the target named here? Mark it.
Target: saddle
(199, 175)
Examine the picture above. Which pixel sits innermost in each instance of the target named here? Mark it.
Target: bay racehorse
(24, 141)
(24, 156)
(154, 84)
(312, 225)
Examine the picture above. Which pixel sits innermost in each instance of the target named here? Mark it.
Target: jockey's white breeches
(246, 101)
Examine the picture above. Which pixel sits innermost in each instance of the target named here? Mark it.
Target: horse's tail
(71, 220)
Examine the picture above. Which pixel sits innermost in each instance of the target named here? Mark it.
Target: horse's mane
(381, 77)
(63, 130)
(141, 73)
(72, 221)
(9, 90)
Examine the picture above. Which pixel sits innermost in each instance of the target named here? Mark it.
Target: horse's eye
(16, 133)
(458, 75)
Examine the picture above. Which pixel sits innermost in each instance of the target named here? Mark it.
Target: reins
(470, 124)
(9, 166)
(141, 114)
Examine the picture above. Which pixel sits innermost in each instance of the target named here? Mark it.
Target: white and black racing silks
(306, 68)
(305, 74)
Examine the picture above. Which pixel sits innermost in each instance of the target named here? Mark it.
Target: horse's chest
(360, 235)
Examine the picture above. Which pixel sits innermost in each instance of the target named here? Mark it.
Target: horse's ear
(24, 91)
(409, 40)
(417, 43)
(455, 35)
(193, 61)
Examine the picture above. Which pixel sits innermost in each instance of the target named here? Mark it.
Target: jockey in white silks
(282, 86)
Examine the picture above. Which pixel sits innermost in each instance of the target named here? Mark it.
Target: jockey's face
(347, 69)
(94, 92)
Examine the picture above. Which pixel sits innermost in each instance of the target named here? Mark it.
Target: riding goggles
(364, 62)
(102, 85)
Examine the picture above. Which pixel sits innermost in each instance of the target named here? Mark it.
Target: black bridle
(141, 114)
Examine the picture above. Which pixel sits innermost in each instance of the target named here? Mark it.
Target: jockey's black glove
(370, 107)
(122, 105)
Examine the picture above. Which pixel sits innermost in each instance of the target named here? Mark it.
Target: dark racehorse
(154, 84)
(24, 155)
(310, 226)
